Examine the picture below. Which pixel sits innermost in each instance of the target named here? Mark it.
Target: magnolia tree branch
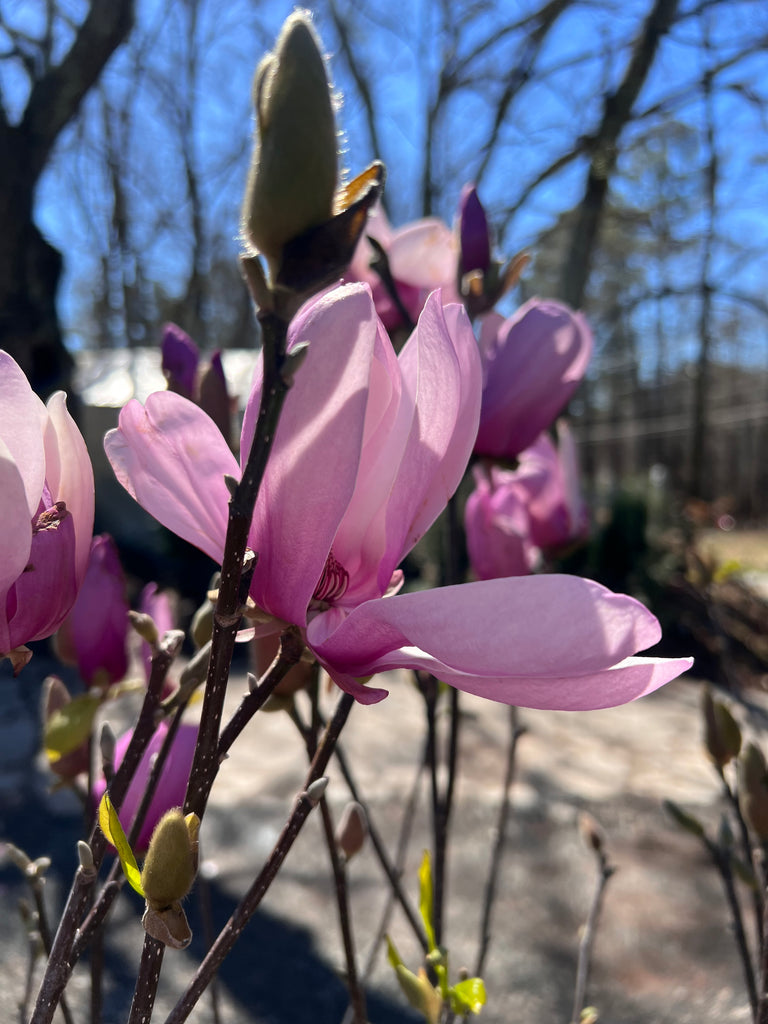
(604, 872)
(291, 648)
(392, 871)
(515, 732)
(61, 960)
(229, 935)
(146, 981)
(232, 592)
(338, 866)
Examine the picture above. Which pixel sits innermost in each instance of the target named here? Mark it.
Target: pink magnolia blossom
(556, 508)
(498, 527)
(514, 514)
(204, 383)
(94, 635)
(46, 510)
(171, 786)
(422, 255)
(532, 364)
(368, 449)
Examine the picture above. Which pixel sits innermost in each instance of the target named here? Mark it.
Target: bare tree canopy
(55, 89)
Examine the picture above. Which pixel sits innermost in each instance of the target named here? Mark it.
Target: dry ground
(664, 954)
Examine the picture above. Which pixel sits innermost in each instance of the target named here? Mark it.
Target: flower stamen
(334, 581)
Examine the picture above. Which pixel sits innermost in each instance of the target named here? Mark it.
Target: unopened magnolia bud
(38, 867)
(352, 830)
(294, 170)
(591, 832)
(170, 865)
(171, 642)
(201, 629)
(753, 789)
(436, 957)
(722, 735)
(473, 233)
(145, 626)
(55, 696)
(294, 360)
(214, 396)
(316, 790)
(420, 992)
(17, 856)
(107, 744)
(85, 856)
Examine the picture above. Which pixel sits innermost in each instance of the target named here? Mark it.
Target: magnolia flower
(497, 526)
(422, 256)
(171, 786)
(557, 511)
(367, 452)
(94, 635)
(533, 362)
(512, 515)
(46, 510)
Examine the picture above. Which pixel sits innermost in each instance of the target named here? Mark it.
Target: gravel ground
(664, 953)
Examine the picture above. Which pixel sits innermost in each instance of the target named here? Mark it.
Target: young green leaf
(425, 899)
(109, 823)
(467, 996)
(70, 726)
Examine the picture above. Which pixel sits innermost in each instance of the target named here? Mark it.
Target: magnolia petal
(16, 533)
(536, 363)
(22, 424)
(172, 459)
(362, 693)
(629, 680)
(501, 636)
(424, 254)
(69, 476)
(313, 465)
(171, 786)
(441, 373)
(42, 596)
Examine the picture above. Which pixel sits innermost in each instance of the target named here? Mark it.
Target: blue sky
(585, 55)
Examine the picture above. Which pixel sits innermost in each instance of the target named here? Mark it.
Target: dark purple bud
(180, 359)
(473, 232)
(95, 632)
(214, 396)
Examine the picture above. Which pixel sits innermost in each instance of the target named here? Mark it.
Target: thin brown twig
(248, 904)
(505, 805)
(338, 867)
(604, 872)
(392, 871)
(722, 861)
(146, 981)
(60, 961)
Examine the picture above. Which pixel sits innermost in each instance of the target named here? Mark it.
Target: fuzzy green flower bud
(171, 863)
(753, 789)
(722, 736)
(294, 171)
